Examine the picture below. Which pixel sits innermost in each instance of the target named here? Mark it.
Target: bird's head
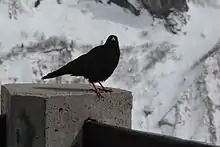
(112, 40)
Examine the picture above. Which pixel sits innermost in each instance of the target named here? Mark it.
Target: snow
(163, 93)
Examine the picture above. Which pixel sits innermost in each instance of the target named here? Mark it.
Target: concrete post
(50, 115)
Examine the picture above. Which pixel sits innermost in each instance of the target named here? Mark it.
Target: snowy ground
(155, 65)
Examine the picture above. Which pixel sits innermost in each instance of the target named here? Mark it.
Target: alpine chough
(97, 65)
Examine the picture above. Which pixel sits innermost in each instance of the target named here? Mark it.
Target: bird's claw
(97, 93)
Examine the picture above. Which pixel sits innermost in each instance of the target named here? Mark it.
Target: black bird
(97, 65)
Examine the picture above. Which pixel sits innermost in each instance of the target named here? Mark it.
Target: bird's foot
(97, 93)
(99, 90)
(105, 90)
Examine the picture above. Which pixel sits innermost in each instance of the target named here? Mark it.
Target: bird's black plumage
(97, 65)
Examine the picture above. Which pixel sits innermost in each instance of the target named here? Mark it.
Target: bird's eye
(113, 39)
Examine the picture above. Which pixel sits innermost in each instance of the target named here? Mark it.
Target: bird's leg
(96, 90)
(104, 89)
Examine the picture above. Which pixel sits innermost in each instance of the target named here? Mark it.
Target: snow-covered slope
(175, 90)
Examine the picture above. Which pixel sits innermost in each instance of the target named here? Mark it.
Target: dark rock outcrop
(167, 10)
(162, 8)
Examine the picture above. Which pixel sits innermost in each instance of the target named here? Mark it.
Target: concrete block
(51, 115)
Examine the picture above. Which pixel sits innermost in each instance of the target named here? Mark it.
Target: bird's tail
(53, 74)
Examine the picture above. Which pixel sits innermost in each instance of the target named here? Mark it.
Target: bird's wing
(77, 66)
(85, 63)
(96, 54)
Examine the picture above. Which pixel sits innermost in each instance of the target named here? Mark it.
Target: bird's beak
(113, 39)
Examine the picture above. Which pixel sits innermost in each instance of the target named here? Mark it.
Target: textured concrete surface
(50, 115)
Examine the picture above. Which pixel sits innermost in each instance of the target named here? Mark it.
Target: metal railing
(95, 134)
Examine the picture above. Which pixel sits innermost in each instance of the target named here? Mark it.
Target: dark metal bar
(97, 134)
(3, 130)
